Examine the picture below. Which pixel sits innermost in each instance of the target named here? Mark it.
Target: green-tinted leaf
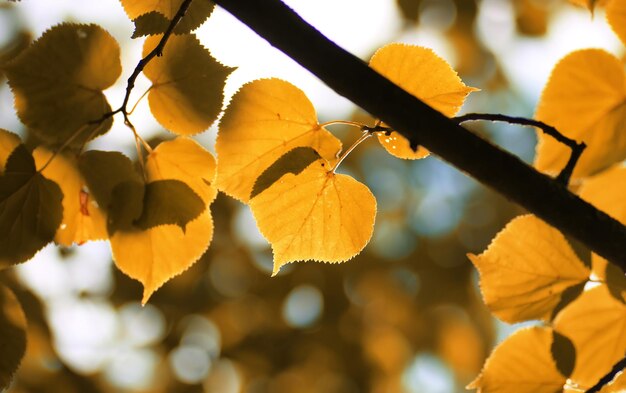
(563, 353)
(150, 24)
(126, 206)
(169, 202)
(12, 335)
(30, 209)
(58, 81)
(196, 14)
(294, 161)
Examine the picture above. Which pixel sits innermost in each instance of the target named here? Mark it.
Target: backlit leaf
(425, 75)
(162, 12)
(266, 119)
(82, 218)
(8, 142)
(314, 215)
(596, 323)
(616, 15)
(589, 4)
(12, 335)
(617, 385)
(187, 85)
(156, 255)
(526, 268)
(30, 209)
(522, 363)
(58, 81)
(585, 99)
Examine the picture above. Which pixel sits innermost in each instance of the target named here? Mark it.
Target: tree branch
(352, 78)
(605, 380)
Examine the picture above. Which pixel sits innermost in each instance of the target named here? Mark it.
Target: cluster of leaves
(530, 272)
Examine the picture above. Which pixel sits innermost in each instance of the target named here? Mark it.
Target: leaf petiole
(364, 136)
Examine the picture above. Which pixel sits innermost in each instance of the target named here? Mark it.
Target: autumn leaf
(425, 75)
(523, 363)
(58, 81)
(589, 4)
(83, 220)
(12, 335)
(617, 385)
(30, 209)
(266, 119)
(154, 16)
(8, 142)
(596, 324)
(616, 16)
(155, 255)
(187, 85)
(526, 269)
(585, 99)
(311, 213)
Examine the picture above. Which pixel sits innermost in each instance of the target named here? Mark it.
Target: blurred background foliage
(404, 316)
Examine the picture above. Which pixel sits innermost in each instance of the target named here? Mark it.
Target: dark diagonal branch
(619, 366)
(576, 147)
(352, 78)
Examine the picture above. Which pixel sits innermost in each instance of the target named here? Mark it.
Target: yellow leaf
(82, 218)
(58, 81)
(616, 16)
(617, 385)
(156, 255)
(8, 142)
(523, 363)
(425, 75)
(585, 99)
(596, 323)
(196, 14)
(187, 85)
(315, 215)
(589, 4)
(266, 119)
(526, 268)
(12, 335)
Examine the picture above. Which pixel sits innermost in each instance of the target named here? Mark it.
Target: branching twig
(577, 148)
(619, 366)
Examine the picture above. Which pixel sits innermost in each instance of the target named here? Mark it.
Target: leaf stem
(344, 122)
(139, 100)
(63, 146)
(576, 147)
(364, 136)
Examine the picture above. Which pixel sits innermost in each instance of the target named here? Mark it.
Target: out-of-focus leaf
(522, 363)
(30, 209)
(83, 220)
(596, 323)
(314, 215)
(161, 13)
(266, 119)
(8, 142)
(12, 335)
(589, 4)
(585, 99)
(526, 268)
(187, 85)
(58, 81)
(425, 75)
(616, 16)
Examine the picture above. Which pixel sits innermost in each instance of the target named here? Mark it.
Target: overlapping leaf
(523, 363)
(266, 119)
(596, 323)
(526, 269)
(187, 85)
(12, 335)
(154, 16)
(58, 81)
(83, 220)
(307, 212)
(30, 209)
(585, 99)
(155, 255)
(425, 75)
(616, 16)
(8, 142)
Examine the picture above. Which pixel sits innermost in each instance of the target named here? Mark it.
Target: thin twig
(577, 147)
(345, 154)
(619, 366)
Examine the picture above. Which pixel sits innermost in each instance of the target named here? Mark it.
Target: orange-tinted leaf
(58, 81)
(161, 13)
(526, 268)
(156, 255)
(585, 99)
(187, 85)
(425, 75)
(616, 15)
(12, 335)
(30, 209)
(617, 385)
(82, 218)
(523, 363)
(266, 119)
(589, 4)
(596, 323)
(314, 215)
(8, 142)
